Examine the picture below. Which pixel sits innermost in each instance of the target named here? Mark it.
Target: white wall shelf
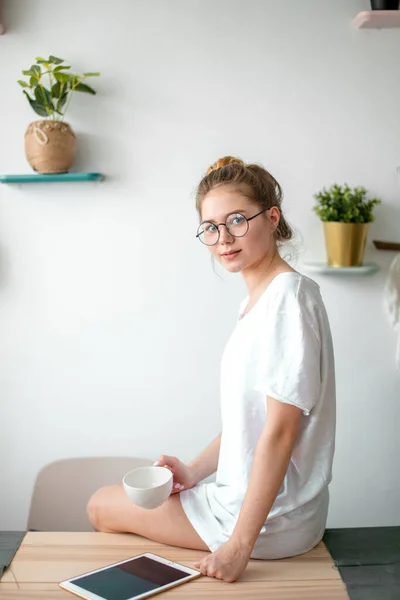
(377, 19)
(322, 268)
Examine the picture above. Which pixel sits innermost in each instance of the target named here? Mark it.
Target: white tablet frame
(79, 591)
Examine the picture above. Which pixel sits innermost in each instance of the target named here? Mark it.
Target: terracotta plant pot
(50, 146)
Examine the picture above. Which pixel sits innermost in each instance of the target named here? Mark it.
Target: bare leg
(110, 510)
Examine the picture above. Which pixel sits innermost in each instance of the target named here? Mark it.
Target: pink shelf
(377, 19)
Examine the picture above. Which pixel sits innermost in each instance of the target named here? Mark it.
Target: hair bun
(222, 162)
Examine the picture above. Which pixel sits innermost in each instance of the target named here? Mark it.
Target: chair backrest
(62, 490)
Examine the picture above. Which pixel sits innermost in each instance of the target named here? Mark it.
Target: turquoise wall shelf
(51, 177)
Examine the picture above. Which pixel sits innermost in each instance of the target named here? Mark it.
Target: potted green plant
(50, 143)
(346, 213)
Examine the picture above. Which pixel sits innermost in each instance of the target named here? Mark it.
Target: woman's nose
(224, 235)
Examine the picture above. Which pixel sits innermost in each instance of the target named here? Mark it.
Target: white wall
(112, 321)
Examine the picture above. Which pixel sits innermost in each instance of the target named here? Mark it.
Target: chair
(62, 490)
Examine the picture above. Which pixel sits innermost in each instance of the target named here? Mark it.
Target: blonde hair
(253, 181)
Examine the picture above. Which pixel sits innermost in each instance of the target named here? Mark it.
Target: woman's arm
(271, 460)
(187, 476)
(206, 462)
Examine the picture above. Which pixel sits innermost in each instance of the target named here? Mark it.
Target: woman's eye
(210, 228)
(237, 220)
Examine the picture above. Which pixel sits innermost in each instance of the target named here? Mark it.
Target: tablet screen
(129, 579)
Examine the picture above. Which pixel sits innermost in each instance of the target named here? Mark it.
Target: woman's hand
(227, 563)
(183, 479)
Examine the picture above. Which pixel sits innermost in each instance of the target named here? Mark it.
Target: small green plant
(344, 204)
(53, 101)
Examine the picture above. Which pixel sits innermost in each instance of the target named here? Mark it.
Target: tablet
(131, 579)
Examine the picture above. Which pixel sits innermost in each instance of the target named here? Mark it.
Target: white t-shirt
(281, 348)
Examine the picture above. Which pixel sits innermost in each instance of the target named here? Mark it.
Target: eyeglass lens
(236, 224)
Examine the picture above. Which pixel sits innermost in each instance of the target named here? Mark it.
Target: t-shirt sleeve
(289, 356)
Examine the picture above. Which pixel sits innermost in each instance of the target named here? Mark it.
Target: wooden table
(46, 558)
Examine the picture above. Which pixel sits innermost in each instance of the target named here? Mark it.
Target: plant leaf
(82, 87)
(38, 108)
(55, 60)
(40, 59)
(91, 74)
(43, 97)
(61, 102)
(36, 70)
(62, 77)
(56, 69)
(56, 90)
(28, 72)
(27, 95)
(22, 83)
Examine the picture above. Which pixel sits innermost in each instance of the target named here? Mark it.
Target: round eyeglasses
(236, 224)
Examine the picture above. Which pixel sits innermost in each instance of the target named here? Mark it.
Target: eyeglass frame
(218, 225)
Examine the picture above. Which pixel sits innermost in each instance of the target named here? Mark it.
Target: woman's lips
(230, 255)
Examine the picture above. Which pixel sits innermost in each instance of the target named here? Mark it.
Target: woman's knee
(98, 506)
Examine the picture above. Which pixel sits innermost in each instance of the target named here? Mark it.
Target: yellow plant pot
(345, 243)
(50, 146)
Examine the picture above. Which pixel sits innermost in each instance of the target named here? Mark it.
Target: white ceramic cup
(148, 487)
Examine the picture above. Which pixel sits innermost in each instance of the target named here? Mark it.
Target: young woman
(274, 455)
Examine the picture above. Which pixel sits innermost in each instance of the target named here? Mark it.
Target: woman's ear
(274, 216)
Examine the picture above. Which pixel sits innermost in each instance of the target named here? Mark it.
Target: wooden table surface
(46, 558)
